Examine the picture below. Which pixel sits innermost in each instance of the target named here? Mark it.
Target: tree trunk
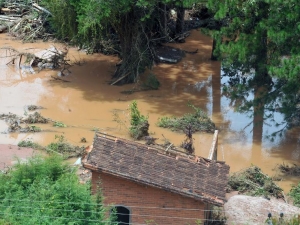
(213, 57)
(258, 114)
(180, 19)
(135, 49)
(163, 19)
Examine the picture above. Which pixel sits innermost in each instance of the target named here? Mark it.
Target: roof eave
(196, 197)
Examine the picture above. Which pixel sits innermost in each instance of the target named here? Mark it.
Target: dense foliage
(198, 121)
(139, 125)
(47, 191)
(295, 194)
(260, 53)
(129, 28)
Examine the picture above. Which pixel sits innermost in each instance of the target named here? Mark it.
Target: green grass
(30, 144)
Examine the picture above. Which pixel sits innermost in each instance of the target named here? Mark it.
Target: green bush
(139, 125)
(29, 144)
(295, 194)
(198, 120)
(47, 191)
(284, 221)
(63, 20)
(62, 147)
(152, 82)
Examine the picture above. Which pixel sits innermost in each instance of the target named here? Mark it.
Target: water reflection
(248, 135)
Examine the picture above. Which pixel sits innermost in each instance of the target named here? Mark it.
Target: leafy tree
(130, 28)
(47, 191)
(259, 49)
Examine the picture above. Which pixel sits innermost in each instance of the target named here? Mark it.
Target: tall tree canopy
(260, 52)
(129, 27)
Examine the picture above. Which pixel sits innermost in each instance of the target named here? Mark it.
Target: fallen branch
(121, 78)
(41, 8)
(57, 78)
(8, 25)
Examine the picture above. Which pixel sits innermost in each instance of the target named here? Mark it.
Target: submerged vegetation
(30, 144)
(139, 126)
(198, 121)
(47, 191)
(62, 147)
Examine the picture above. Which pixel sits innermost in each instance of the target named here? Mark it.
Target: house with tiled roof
(146, 184)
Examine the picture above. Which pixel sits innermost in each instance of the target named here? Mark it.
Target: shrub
(47, 191)
(199, 121)
(64, 148)
(152, 82)
(139, 125)
(295, 194)
(29, 144)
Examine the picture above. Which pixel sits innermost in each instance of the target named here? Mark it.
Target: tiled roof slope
(198, 178)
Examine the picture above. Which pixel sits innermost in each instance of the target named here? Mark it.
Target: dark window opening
(122, 215)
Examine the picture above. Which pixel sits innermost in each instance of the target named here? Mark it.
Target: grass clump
(199, 121)
(64, 148)
(283, 221)
(59, 124)
(295, 194)
(34, 129)
(139, 125)
(252, 181)
(47, 191)
(29, 144)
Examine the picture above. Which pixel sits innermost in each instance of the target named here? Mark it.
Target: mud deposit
(87, 103)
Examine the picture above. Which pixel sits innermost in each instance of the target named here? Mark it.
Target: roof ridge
(158, 149)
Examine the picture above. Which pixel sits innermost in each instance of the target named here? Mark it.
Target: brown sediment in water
(87, 103)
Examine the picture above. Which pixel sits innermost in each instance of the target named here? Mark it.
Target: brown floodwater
(88, 103)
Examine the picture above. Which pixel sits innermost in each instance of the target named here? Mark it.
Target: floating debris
(293, 170)
(14, 122)
(67, 150)
(252, 181)
(35, 118)
(33, 107)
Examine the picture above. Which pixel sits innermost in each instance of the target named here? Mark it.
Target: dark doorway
(122, 215)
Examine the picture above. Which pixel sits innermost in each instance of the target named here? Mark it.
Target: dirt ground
(242, 209)
(10, 153)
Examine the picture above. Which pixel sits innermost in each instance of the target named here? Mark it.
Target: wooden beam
(214, 147)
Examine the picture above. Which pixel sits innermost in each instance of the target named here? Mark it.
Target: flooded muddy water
(87, 103)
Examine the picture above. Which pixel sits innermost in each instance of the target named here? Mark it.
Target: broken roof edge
(214, 200)
(158, 149)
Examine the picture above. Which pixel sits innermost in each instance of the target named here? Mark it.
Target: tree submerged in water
(129, 28)
(199, 121)
(139, 125)
(188, 144)
(260, 53)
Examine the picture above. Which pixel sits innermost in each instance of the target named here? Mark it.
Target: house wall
(148, 203)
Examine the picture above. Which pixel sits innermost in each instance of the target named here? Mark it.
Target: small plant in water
(198, 120)
(29, 144)
(62, 147)
(139, 125)
(59, 124)
(152, 82)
